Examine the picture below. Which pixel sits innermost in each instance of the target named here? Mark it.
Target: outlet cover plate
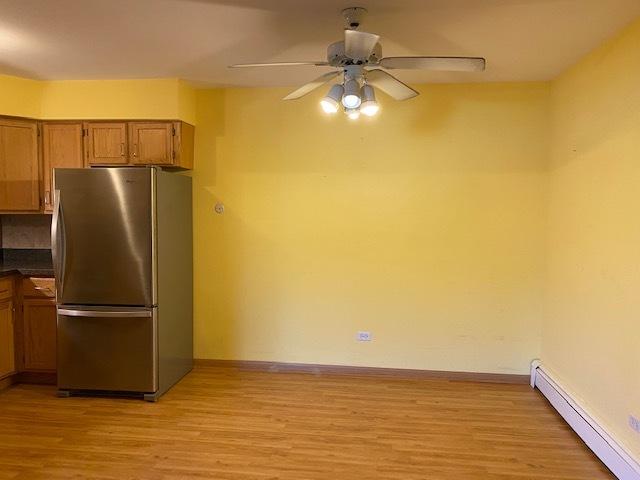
(364, 336)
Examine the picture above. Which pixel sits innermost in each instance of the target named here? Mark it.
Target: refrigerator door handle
(104, 313)
(57, 243)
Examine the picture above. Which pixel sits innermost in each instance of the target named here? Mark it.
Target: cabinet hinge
(173, 131)
(173, 154)
(38, 130)
(85, 132)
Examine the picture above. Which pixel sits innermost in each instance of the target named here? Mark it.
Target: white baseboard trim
(620, 462)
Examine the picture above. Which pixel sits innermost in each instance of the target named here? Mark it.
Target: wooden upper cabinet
(19, 173)
(26, 182)
(106, 143)
(151, 143)
(61, 148)
(183, 144)
(161, 143)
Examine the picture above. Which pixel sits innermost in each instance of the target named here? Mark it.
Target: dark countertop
(29, 262)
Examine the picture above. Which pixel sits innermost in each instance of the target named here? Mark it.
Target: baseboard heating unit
(597, 439)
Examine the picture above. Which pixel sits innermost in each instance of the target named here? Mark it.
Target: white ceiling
(197, 39)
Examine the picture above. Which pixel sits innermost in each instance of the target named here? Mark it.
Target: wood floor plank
(228, 423)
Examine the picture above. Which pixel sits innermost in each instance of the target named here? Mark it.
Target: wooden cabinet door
(106, 143)
(39, 330)
(7, 352)
(151, 143)
(183, 143)
(19, 175)
(61, 148)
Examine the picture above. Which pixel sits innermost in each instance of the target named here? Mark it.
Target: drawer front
(6, 287)
(39, 287)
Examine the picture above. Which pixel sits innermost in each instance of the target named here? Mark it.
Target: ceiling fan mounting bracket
(354, 16)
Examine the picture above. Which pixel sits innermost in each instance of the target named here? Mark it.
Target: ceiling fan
(359, 59)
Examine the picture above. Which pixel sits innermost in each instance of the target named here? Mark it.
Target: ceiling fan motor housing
(336, 56)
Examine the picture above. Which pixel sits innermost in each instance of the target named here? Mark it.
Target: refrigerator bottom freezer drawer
(107, 349)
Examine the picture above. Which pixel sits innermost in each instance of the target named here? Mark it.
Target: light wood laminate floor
(225, 423)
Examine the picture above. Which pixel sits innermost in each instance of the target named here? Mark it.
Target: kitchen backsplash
(26, 231)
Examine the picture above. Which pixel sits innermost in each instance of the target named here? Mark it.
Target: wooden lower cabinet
(39, 334)
(28, 329)
(7, 350)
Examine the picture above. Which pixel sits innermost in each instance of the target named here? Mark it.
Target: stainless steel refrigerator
(122, 254)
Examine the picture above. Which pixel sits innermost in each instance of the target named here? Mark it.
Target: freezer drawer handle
(101, 313)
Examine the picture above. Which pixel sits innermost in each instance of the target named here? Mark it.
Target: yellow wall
(164, 98)
(21, 97)
(439, 225)
(149, 99)
(591, 336)
(424, 225)
(185, 102)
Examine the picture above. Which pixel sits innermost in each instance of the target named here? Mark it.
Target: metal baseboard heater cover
(612, 454)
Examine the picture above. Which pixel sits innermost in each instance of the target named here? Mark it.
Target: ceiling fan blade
(390, 84)
(446, 64)
(277, 64)
(309, 87)
(359, 45)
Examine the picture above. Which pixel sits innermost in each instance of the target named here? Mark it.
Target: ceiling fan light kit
(359, 59)
(351, 98)
(331, 102)
(352, 113)
(369, 106)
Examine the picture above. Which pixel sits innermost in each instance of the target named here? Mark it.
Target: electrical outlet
(634, 423)
(364, 337)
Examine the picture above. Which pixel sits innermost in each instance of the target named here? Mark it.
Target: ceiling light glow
(353, 113)
(351, 98)
(369, 106)
(331, 101)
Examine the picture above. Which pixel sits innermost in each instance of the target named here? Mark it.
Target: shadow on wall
(581, 135)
